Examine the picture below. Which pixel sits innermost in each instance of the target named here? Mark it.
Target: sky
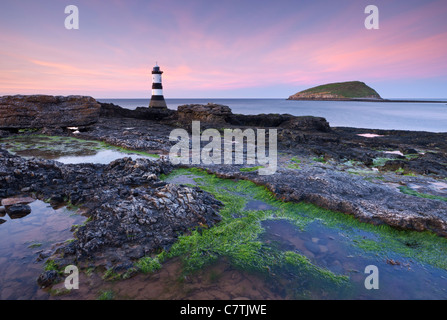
(222, 49)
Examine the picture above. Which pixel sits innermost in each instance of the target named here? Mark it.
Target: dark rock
(307, 124)
(407, 150)
(112, 110)
(209, 113)
(48, 278)
(40, 111)
(2, 221)
(43, 255)
(340, 191)
(57, 198)
(18, 211)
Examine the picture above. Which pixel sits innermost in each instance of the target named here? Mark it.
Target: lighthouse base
(157, 102)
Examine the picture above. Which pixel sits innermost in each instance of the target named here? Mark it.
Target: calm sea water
(371, 115)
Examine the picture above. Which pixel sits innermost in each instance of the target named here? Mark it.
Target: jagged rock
(209, 113)
(47, 278)
(112, 110)
(340, 191)
(130, 209)
(307, 123)
(39, 111)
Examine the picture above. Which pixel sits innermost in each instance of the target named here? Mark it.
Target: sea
(430, 115)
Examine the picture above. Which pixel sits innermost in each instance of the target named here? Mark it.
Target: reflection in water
(23, 240)
(64, 149)
(400, 278)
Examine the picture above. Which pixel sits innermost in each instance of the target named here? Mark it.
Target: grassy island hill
(337, 91)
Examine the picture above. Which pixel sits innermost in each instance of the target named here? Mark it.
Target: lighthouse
(157, 100)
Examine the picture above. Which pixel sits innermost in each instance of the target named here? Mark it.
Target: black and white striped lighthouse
(157, 100)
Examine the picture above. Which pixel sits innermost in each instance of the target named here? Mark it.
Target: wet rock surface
(40, 111)
(48, 278)
(209, 113)
(132, 213)
(341, 191)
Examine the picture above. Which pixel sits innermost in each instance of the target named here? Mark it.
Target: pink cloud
(194, 58)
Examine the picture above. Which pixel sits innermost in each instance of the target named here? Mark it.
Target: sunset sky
(222, 49)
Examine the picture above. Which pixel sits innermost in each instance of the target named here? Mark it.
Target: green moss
(51, 265)
(400, 171)
(409, 191)
(321, 275)
(111, 275)
(148, 265)
(380, 162)
(319, 159)
(295, 159)
(35, 245)
(44, 142)
(294, 166)
(250, 169)
(410, 174)
(128, 151)
(106, 295)
(238, 239)
(412, 156)
(27, 130)
(295, 163)
(71, 206)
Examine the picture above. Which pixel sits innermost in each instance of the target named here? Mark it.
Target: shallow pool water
(335, 247)
(399, 277)
(67, 150)
(23, 241)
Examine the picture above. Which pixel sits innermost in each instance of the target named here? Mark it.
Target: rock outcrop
(132, 213)
(208, 113)
(143, 113)
(213, 114)
(43, 111)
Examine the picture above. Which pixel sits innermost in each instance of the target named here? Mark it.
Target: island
(351, 90)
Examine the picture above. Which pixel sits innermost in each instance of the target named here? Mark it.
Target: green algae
(320, 159)
(380, 161)
(250, 169)
(148, 265)
(62, 145)
(409, 191)
(295, 163)
(238, 239)
(106, 295)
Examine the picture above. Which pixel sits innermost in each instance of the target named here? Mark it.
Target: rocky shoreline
(132, 213)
